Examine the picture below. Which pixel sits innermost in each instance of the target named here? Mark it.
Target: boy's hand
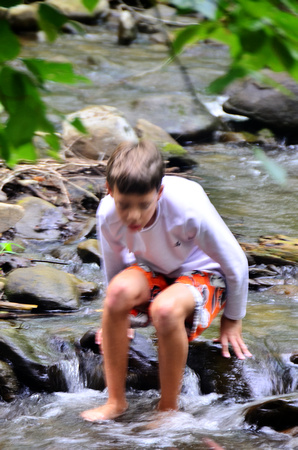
(230, 333)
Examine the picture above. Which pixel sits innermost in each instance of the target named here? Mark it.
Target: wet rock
(49, 288)
(89, 251)
(279, 414)
(41, 219)
(218, 374)
(278, 250)
(23, 17)
(142, 363)
(178, 116)
(27, 366)
(164, 142)
(107, 127)
(81, 229)
(75, 10)
(10, 215)
(87, 289)
(9, 385)
(10, 262)
(266, 104)
(127, 28)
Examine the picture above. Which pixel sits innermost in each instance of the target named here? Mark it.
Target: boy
(167, 254)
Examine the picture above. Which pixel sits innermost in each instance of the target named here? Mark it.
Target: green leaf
(26, 152)
(186, 36)
(50, 20)
(276, 171)
(53, 141)
(9, 3)
(78, 124)
(235, 72)
(22, 102)
(4, 146)
(90, 4)
(9, 43)
(57, 72)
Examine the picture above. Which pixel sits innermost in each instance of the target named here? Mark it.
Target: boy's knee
(165, 317)
(118, 296)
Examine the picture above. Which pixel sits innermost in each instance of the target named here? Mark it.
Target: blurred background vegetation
(259, 34)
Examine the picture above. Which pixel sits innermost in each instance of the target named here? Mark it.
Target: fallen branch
(20, 306)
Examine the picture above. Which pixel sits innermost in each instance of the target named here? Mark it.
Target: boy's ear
(160, 191)
(109, 189)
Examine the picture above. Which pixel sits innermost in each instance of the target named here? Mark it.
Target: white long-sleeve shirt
(187, 234)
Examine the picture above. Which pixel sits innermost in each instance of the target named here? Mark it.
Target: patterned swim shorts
(207, 288)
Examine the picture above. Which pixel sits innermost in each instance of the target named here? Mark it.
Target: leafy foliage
(259, 33)
(25, 113)
(7, 247)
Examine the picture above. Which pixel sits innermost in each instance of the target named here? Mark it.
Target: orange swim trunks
(208, 290)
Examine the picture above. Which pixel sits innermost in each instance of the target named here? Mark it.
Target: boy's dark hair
(135, 168)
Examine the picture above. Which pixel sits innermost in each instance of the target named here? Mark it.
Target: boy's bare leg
(169, 311)
(125, 291)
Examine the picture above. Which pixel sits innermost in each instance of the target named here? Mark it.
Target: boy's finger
(225, 348)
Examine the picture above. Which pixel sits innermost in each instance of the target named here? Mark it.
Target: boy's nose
(134, 215)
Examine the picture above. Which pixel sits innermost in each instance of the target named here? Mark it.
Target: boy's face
(136, 211)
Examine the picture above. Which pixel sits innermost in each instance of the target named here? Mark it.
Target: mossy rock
(276, 249)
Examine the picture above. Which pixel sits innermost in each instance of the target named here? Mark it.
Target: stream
(251, 203)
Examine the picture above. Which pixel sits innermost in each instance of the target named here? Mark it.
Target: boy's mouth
(135, 227)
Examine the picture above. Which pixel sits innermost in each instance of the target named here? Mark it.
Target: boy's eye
(123, 206)
(145, 205)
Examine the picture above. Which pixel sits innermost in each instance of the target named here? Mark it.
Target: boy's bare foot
(105, 412)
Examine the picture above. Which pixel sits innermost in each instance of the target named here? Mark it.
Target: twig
(21, 306)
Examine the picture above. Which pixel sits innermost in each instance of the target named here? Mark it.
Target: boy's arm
(217, 241)
(112, 253)
(111, 248)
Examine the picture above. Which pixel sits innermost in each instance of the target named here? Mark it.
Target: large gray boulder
(75, 10)
(266, 104)
(47, 287)
(178, 115)
(107, 127)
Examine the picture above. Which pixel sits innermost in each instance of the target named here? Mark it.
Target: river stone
(142, 363)
(266, 104)
(176, 114)
(9, 385)
(41, 219)
(164, 142)
(127, 28)
(107, 128)
(225, 376)
(10, 215)
(278, 414)
(49, 288)
(75, 10)
(89, 251)
(86, 288)
(22, 355)
(23, 17)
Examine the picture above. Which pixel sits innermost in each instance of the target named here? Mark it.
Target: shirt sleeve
(113, 252)
(217, 241)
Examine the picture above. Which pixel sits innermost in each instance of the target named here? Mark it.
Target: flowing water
(251, 203)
